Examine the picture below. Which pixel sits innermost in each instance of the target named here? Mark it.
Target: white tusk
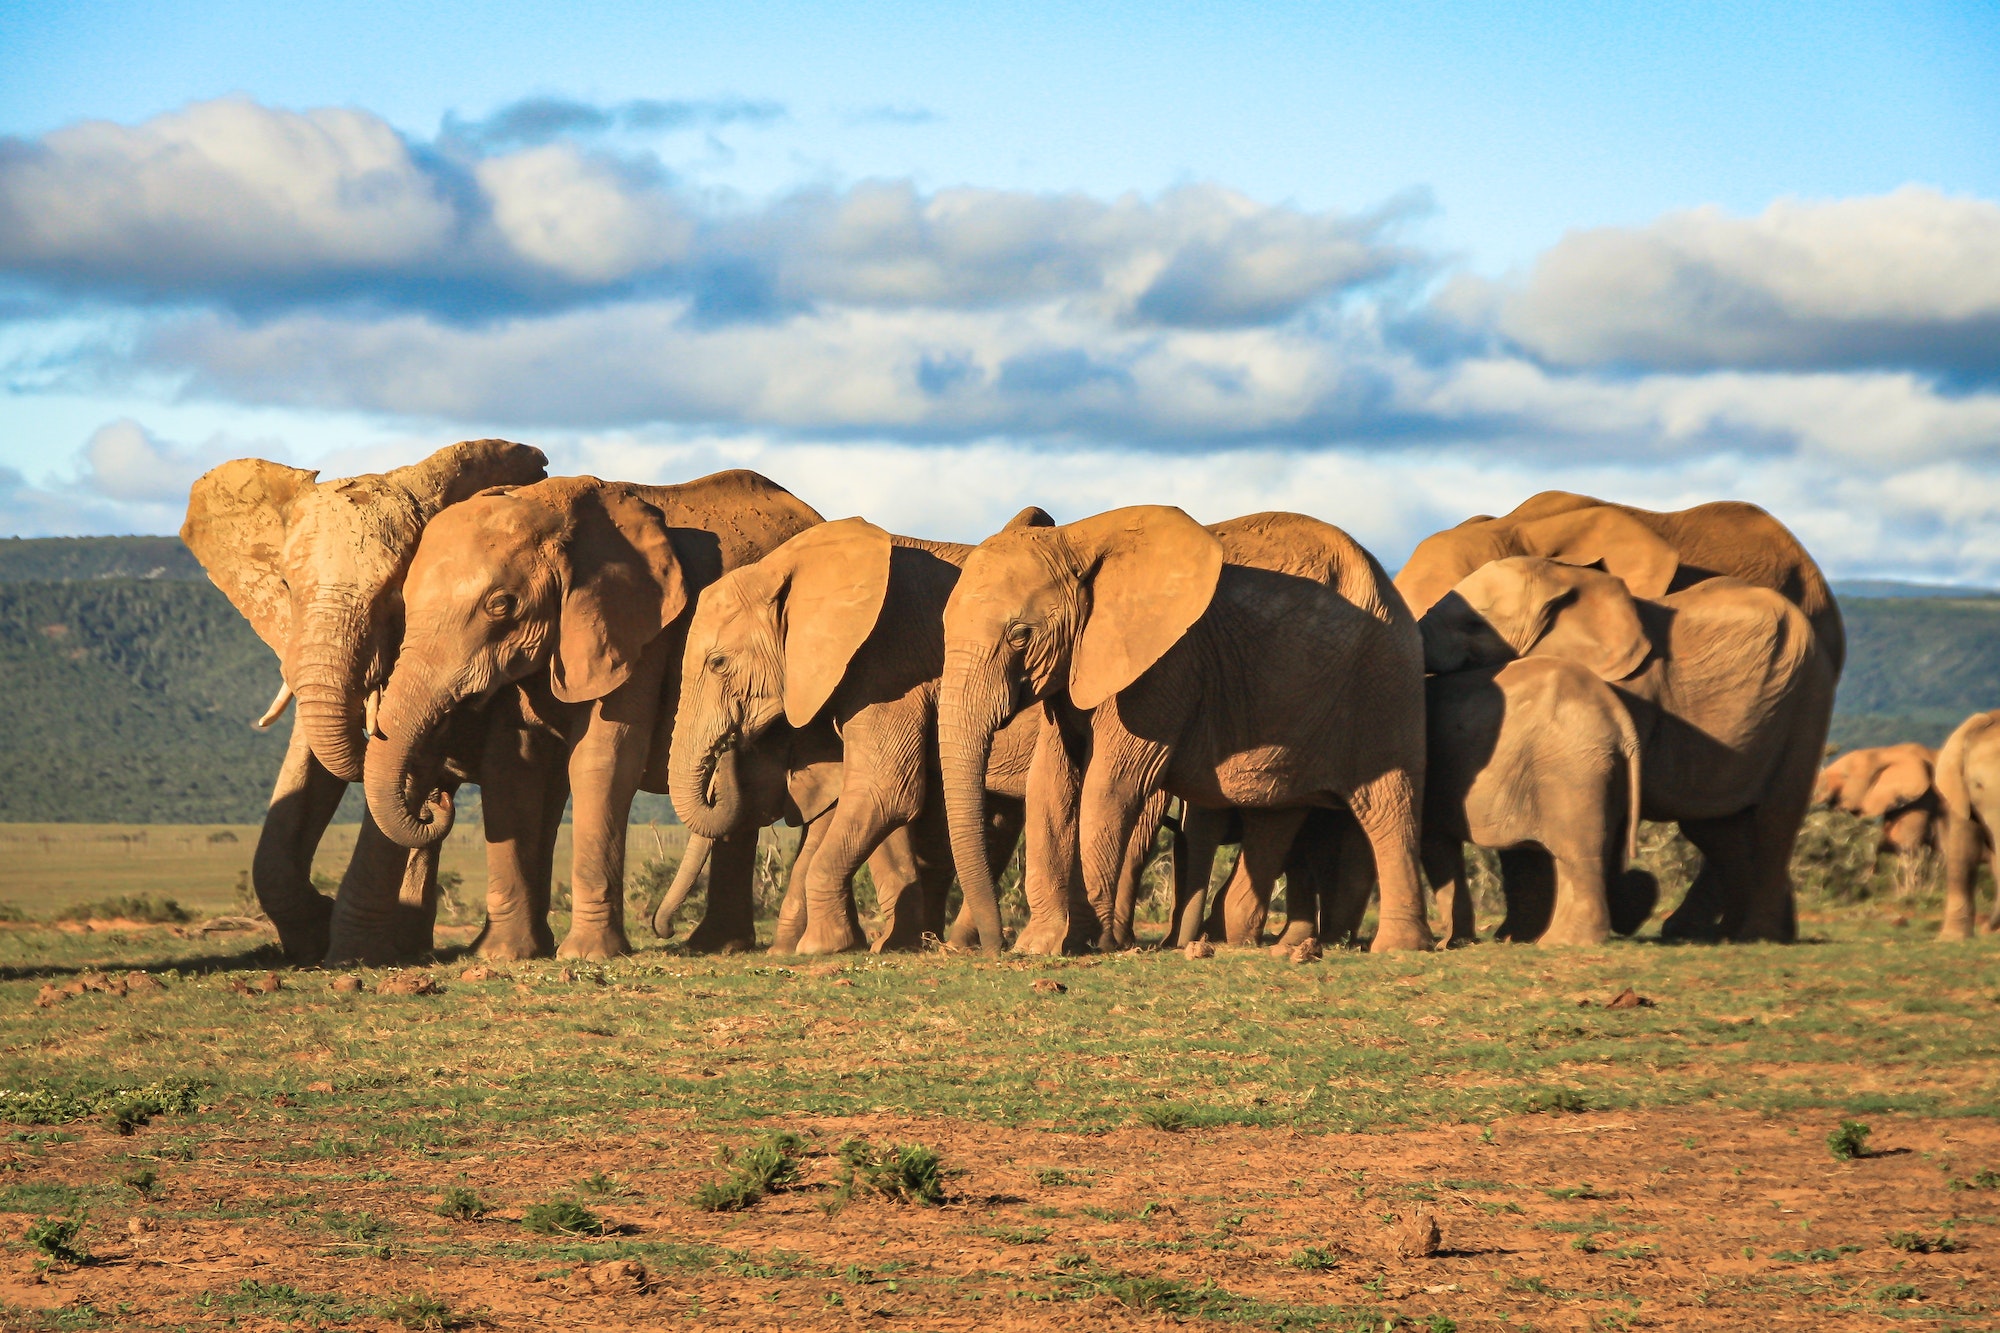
(277, 708)
(369, 708)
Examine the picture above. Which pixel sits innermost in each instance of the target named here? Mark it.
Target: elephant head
(769, 643)
(1084, 608)
(317, 567)
(572, 575)
(1525, 605)
(1876, 782)
(1594, 534)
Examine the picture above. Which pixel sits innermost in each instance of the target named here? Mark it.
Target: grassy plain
(1237, 1140)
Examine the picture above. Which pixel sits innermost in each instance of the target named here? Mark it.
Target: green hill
(133, 683)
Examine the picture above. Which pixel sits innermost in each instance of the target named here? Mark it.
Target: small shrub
(908, 1174)
(363, 1229)
(1583, 1191)
(463, 1205)
(1979, 1180)
(562, 1217)
(1915, 1242)
(1561, 1101)
(1314, 1259)
(420, 1312)
(1051, 1177)
(1849, 1141)
(766, 1167)
(56, 1238)
(1174, 1119)
(1151, 1295)
(143, 1181)
(1901, 1291)
(11, 914)
(127, 1114)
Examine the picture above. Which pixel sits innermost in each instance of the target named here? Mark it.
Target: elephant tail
(1628, 743)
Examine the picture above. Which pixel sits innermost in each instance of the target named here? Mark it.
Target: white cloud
(123, 461)
(1910, 278)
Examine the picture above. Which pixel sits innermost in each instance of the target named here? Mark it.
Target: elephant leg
(604, 771)
(1387, 810)
(303, 801)
(857, 828)
(1528, 878)
(1339, 858)
(729, 914)
(792, 911)
(1444, 864)
(1727, 855)
(1139, 851)
(1122, 776)
(518, 771)
(899, 893)
(1581, 915)
(1006, 822)
(1246, 900)
(1194, 864)
(1767, 907)
(1051, 871)
(369, 924)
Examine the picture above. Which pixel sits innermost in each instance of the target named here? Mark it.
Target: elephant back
(1304, 547)
(749, 515)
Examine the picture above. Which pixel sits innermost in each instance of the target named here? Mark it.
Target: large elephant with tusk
(581, 589)
(317, 568)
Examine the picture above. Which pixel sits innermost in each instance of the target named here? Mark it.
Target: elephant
(842, 627)
(1538, 760)
(1968, 787)
(1895, 784)
(1654, 553)
(1728, 688)
(588, 584)
(317, 567)
(1224, 684)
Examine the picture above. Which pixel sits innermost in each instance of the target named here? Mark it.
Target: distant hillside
(133, 683)
(60, 559)
(1916, 666)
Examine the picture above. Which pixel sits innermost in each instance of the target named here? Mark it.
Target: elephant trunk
(692, 861)
(325, 672)
(703, 776)
(972, 706)
(403, 769)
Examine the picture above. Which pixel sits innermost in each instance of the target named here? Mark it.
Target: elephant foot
(513, 943)
(834, 937)
(1692, 929)
(714, 937)
(1573, 937)
(1403, 936)
(307, 934)
(1631, 900)
(1957, 928)
(1043, 937)
(1291, 937)
(594, 942)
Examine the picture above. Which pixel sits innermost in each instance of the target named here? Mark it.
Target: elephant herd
(1534, 683)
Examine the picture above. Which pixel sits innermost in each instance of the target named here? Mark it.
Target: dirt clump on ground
(1706, 1219)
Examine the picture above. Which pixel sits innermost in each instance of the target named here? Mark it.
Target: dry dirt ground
(1650, 1219)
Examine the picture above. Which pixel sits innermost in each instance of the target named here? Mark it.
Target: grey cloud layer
(254, 207)
(1908, 279)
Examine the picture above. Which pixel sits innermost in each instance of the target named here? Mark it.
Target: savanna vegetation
(1501, 1136)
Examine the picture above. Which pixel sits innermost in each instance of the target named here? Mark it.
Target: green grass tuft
(1849, 1141)
(136, 907)
(1915, 1242)
(463, 1205)
(562, 1217)
(56, 1238)
(912, 1173)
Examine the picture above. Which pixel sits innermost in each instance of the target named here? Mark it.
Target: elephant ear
(460, 471)
(237, 518)
(1904, 782)
(835, 579)
(621, 585)
(1034, 516)
(1594, 623)
(1613, 541)
(1152, 572)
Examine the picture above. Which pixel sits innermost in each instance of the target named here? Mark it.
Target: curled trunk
(403, 770)
(692, 861)
(703, 777)
(971, 709)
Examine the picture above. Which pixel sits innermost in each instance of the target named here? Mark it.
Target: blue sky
(1392, 264)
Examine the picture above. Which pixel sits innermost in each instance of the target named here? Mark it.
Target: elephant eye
(501, 605)
(718, 663)
(1018, 634)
